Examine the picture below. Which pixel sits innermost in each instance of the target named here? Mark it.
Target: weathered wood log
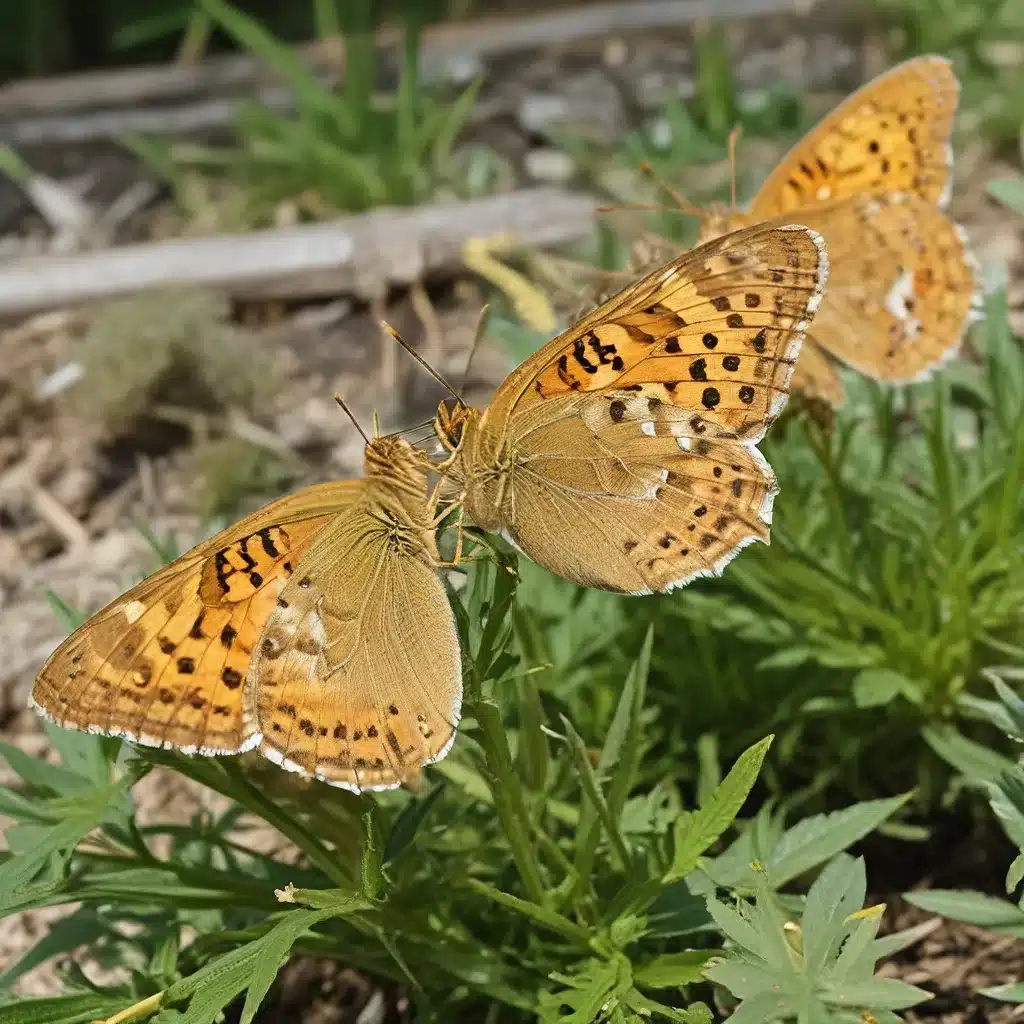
(172, 99)
(362, 255)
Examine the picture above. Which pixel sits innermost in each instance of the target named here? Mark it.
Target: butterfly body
(315, 630)
(621, 454)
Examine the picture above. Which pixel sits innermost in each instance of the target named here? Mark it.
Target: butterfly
(316, 630)
(622, 454)
(873, 179)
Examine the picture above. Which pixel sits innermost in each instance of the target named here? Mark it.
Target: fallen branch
(363, 255)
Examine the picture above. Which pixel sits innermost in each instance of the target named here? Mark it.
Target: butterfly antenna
(419, 359)
(685, 205)
(734, 137)
(655, 207)
(355, 422)
(478, 333)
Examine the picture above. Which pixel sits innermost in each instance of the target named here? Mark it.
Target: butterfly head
(451, 423)
(719, 219)
(392, 458)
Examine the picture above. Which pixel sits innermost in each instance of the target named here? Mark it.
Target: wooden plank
(364, 255)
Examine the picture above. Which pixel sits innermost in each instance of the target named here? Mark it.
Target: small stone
(549, 165)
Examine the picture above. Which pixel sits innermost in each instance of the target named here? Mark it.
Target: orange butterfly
(873, 178)
(621, 455)
(316, 630)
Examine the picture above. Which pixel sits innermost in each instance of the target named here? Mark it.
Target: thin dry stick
(424, 309)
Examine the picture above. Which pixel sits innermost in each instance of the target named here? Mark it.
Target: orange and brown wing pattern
(166, 664)
(903, 287)
(360, 675)
(892, 135)
(715, 332)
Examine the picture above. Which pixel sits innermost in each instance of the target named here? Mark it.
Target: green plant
(894, 578)
(1003, 782)
(819, 969)
(531, 876)
(1009, 191)
(349, 150)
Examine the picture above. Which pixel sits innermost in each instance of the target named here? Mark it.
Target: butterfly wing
(632, 434)
(902, 287)
(164, 665)
(815, 375)
(892, 135)
(360, 679)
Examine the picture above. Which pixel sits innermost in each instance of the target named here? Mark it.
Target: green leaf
(1008, 191)
(695, 832)
(408, 823)
(534, 911)
(273, 950)
(252, 966)
(594, 793)
(819, 838)
(972, 907)
(875, 687)
(876, 994)
(53, 845)
(975, 762)
(620, 755)
(40, 773)
(1011, 993)
(674, 970)
(836, 893)
(74, 1009)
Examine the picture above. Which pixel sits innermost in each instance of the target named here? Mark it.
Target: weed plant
(532, 876)
(1002, 781)
(345, 150)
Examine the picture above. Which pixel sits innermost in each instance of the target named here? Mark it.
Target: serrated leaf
(836, 893)
(734, 925)
(766, 1006)
(876, 994)
(695, 832)
(972, 907)
(75, 1009)
(746, 979)
(816, 839)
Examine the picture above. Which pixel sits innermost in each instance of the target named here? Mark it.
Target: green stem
(508, 801)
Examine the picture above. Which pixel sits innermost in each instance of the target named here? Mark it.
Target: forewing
(165, 664)
(358, 674)
(892, 135)
(714, 332)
